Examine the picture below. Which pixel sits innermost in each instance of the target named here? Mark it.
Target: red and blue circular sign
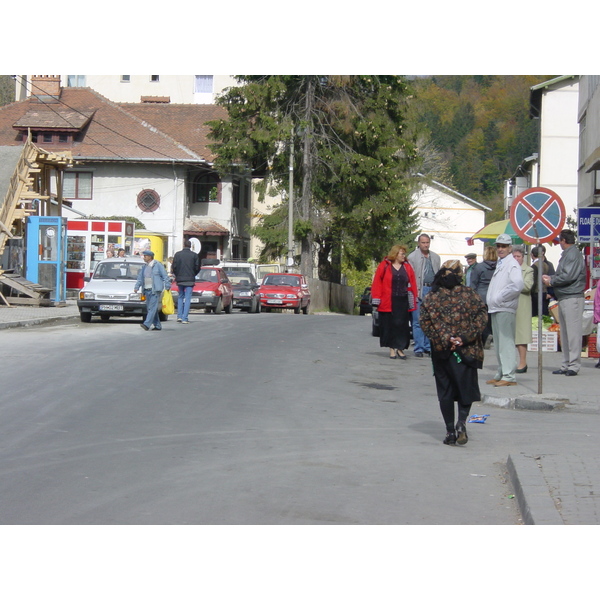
(537, 215)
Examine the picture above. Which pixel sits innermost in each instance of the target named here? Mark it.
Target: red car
(285, 290)
(212, 291)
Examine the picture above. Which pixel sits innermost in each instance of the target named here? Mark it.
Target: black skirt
(394, 327)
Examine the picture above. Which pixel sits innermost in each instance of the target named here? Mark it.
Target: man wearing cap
(153, 279)
(502, 300)
(569, 286)
(425, 264)
(471, 259)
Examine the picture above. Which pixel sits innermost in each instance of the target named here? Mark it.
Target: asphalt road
(241, 419)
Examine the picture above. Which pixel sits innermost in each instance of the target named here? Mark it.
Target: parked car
(245, 290)
(285, 290)
(364, 306)
(212, 291)
(109, 291)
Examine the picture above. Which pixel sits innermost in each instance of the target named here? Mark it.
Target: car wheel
(105, 318)
(219, 307)
(86, 317)
(297, 310)
(258, 306)
(362, 312)
(305, 309)
(228, 308)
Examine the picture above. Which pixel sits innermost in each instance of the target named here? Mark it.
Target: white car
(109, 292)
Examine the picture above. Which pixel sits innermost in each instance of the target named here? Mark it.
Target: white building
(449, 218)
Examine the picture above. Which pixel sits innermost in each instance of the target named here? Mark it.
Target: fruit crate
(549, 342)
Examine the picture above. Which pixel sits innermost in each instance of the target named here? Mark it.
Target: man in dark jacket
(569, 286)
(186, 265)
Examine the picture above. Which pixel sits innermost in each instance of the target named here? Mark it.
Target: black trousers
(455, 382)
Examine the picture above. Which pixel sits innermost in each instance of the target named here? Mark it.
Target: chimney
(45, 87)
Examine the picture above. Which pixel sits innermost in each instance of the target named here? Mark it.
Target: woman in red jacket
(394, 293)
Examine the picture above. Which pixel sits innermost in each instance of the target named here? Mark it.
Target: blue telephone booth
(47, 254)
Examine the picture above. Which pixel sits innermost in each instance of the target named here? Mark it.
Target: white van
(259, 271)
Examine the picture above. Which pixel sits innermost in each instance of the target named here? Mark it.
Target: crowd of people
(455, 314)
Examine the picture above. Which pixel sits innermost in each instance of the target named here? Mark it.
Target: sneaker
(571, 373)
(185, 322)
(179, 321)
(450, 439)
(461, 430)
(145, 327)
(558, 372)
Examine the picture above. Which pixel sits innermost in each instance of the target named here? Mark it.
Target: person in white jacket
(502, 300)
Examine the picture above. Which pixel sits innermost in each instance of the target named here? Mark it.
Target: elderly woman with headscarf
(453, 316)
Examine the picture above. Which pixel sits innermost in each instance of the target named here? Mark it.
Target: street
(243, 419)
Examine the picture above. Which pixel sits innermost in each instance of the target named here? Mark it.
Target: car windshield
(281, 280)
(114, 270)
(208, 275)
(241, 278)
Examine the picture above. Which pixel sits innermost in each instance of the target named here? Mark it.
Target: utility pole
(290, 257)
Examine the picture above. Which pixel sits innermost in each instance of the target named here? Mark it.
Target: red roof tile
(118, 131)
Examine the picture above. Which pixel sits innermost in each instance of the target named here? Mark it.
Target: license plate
(195, 300)
(111, 307)
(274, 301)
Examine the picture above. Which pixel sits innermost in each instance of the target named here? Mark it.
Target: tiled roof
(117, 131)
(183, 122)
(203, 227)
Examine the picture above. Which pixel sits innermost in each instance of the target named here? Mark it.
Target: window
(47, 138)
(148, 200)
(204, 84)
(63, 138)
(125, 78)
(236, 194)
(77, 185)
(596, 183)
(75, 80)
(206, 188)
(154, 77)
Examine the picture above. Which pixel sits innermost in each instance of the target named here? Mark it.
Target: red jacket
(382, 286)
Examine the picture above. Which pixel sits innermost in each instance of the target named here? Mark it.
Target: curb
(527, 401)
(34, 322)
(535, 503)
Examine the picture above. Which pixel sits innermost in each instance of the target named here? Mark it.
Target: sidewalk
(562, 487)
(27, 316)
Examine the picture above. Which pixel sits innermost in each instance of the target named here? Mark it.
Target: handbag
(168, 306)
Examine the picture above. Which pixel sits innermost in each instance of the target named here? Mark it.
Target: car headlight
(292, 296)
(86, 295)
(245, 294)
(135, 297)
(207, 293)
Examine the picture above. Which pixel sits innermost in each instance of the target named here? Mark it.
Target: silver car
(109, 292)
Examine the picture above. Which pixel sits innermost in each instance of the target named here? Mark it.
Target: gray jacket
(417, 262)
(569, 279)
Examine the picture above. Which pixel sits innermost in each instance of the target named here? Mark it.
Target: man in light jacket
(569, 286)
(425, 264)
(152, 279)
(502, 300)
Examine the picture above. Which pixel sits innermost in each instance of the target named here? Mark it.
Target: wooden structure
(31, 180)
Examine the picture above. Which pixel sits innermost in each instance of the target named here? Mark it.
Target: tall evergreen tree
(353, 160)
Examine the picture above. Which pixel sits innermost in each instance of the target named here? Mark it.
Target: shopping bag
(168, 306)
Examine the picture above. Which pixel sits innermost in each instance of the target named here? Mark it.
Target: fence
(333, 297)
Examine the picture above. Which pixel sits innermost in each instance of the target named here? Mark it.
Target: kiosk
(88, 241)
(46, 254)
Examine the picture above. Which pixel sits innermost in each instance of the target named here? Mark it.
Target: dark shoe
(393, 356)
(461, 430)
(427, 353)
(158, 329)
(450, 439)
(523, 370)
(558, 372)
(144, 327)
(400, 356)
(597, 366)
(571, 373)
(419, 354)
